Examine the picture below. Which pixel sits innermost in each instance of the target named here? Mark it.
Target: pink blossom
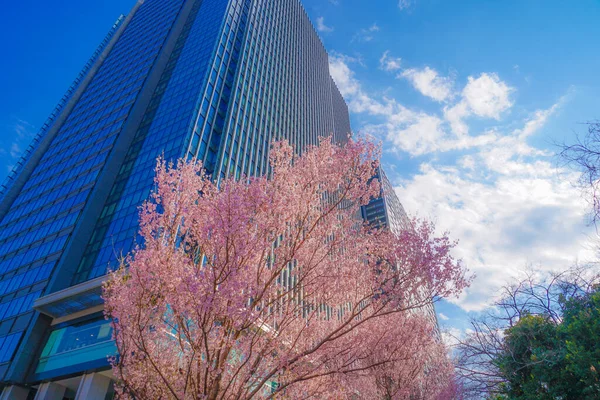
(271, 288)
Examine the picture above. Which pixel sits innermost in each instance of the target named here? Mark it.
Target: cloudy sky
(467, 97)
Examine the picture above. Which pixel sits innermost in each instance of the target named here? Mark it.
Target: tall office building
(386, 211)
(212, 79)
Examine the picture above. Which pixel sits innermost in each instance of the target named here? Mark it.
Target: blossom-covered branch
(262, 288)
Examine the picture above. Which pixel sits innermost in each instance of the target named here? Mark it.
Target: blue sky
(467, 98)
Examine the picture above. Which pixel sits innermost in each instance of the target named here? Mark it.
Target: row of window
(266, 69)
(18, 306)
(162, 131)
(46, 214)
(62, 180)
(26, 279)
(28, 256)
(8, 345)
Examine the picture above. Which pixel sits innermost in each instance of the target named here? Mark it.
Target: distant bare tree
(584, 155)
(474, 359)
(478, 351)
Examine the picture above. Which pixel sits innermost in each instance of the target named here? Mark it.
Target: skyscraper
(212, 79)
(386, 211)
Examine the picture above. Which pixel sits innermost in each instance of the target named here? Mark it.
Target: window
(85, 342)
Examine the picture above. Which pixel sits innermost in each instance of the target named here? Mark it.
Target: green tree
(579, 333)
(544, 360)
(541, 341)
(531, 358)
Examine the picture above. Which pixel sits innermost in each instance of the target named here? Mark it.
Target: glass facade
(233, 84)
(58, 109)
(386, 211)
(213, 79)
(76, 347)
(164, 127)
(38, 223)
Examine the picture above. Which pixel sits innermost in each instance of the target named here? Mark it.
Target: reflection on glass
(76, 344)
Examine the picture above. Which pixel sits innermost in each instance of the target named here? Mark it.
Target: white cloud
(467, 162)
(321, 27)
(486, 96)
(508, 205)
(540, 117)
(443, 317)
(404, 4)
(451, 336)
(407, 130)
(502, 226)
(366, 34)
(389, 63)
(429, 83)
(504, 200)
(14, 146)
(455, 116)
(15, 150)
(508, 153)
(502, 197)
(417, 133)
(343, 75)
(357, 99)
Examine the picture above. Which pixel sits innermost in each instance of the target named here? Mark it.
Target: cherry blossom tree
(275, 288)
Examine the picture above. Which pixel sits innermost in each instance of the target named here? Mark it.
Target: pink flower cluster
(272, 288)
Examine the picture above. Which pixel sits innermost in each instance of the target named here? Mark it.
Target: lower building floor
(69, 354)
(91, 386)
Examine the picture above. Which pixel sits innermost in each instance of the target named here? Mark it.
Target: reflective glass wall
(166, 124)
(386, 211)
(243, 73)
(41, 219)
(215, 80)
